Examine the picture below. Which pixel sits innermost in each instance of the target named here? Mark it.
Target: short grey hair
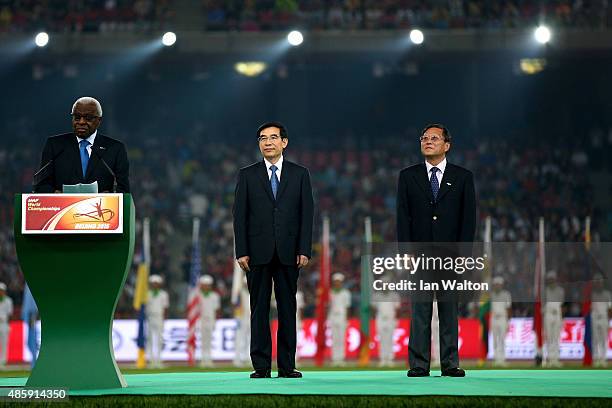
(88, 100)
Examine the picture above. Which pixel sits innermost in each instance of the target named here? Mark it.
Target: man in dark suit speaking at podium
(273, 215)
(83, 156)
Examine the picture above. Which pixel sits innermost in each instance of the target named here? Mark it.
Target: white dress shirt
(278, 164)
(90, 139)
(439, 174)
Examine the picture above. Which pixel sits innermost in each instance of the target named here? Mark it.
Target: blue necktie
(274, 180)
(433, 180)
(84, 156)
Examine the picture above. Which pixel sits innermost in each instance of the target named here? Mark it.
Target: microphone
(98, 151)
(36, 178)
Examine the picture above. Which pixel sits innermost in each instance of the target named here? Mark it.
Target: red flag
(587, 360)
(537, 308)
(193, 298)
(323, 293)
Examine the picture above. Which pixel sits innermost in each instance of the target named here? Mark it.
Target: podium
(75, 251)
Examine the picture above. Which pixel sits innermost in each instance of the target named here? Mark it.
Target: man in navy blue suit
(435, 203)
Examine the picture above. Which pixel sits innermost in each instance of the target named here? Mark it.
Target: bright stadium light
(41, 39)
(542, 34)
(295, 38)
(169, 39)
(417, 37)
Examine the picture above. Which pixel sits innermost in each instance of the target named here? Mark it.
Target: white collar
(441, 166)
(90, 139)
(278, 164)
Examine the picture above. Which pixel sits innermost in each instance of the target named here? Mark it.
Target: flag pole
(323, 293)
(484, 309)
(364, 352)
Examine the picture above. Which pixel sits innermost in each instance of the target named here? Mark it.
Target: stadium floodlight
(295, 38)
(41, 39)
(417, 37)
(542, 34)
(169, 39)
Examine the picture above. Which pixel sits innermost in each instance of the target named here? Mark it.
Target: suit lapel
(448, 181)
(262, 172)
(284, 179)
(423, 181)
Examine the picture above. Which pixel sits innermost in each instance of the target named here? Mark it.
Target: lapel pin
(447, 183)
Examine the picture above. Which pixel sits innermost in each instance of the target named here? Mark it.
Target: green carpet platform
(500, 383)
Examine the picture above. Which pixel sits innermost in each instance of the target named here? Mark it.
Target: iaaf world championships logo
(99, 214)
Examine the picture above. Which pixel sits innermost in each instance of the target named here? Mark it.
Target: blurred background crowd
(538, 142)
(266, 15)
(172, 183)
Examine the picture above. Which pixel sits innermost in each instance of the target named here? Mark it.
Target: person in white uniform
(209, 305)
(435, 334)
(553, 319)
(386, 306)
(243, 334)
(6, 310)
(299, 310)
(501, 310)
(157, 306)
(340, 302)
(601, 313)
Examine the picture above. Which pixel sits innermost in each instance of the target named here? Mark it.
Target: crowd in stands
(266, 15)
(402, 14)
(84, 15)
(185, 177)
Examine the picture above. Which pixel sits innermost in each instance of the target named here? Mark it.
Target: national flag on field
(484, 309)
(193, 300)
(29, 313)
(237, 281)
(484, 314)
(364, 347)
(141, 292)
(587, 359)
(323, 293)
(540, 267)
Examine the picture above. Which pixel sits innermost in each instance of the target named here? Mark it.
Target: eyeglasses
(272, 138)
(432, 138)
(88, 118)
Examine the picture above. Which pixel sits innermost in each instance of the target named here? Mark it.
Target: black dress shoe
(453, 372)
(289, 374)
(418, 372)
(261, 374)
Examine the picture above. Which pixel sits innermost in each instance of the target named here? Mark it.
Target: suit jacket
(263, 224)
(449, 218)
(66, 166)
